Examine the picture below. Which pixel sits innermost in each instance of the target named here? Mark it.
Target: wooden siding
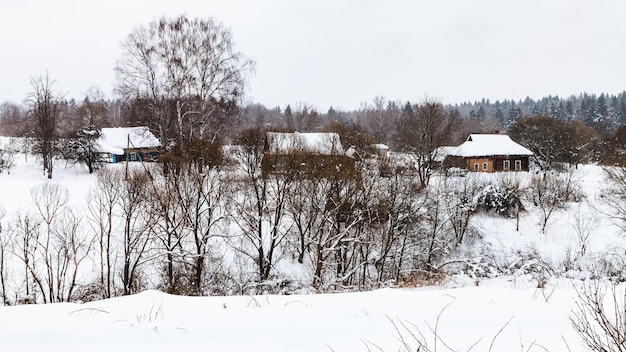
(493, 163)
(496, 163)
(304, 165)
(139, 154)
(480, 164)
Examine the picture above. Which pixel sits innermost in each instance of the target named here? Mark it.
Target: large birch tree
(183, 68)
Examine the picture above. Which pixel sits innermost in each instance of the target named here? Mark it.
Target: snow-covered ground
(508, 313)
(500, 315)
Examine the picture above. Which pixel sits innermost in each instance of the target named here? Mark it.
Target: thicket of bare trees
(51, 245)
(227, 227)
(184, 71)
(554, 141)
(425, 127)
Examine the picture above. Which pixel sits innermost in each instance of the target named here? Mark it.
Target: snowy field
(498, 317)
(463, 313)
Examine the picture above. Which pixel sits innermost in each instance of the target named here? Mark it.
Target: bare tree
(544, 136)
(50, 201)
(548, 194)
(137, 224)
(190, 209)
(424, 128)
(583, 224)
(434, 236)
(307, 209)
(4, 250)
(335, 243)
(188, 62)
(600, 319)
(460, 204)
(72, 246)
(45, 112)
(614, 195)
(102, 212)
(385, 233)
(13, 118)
(322, 212)
(168, 195)
(260, 203)
(379, 119)
(52, 245)
(26, 248)
(204, 214)
(7, 155)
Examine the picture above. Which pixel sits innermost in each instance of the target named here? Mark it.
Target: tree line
(183, 78)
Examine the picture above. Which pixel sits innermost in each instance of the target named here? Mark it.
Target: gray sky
(340, 53)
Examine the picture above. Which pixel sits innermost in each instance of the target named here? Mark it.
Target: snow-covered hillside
(498, 317)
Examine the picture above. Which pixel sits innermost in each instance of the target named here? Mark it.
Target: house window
(485, 166)
(506, 166)
(518, 165)
(476, 167)
(133, 156)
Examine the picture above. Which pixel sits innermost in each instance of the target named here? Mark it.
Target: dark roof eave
(495, 156)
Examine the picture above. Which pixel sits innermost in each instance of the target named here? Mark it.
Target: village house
(306, 155)
(128, 144)
(487, 153)
(381, 150)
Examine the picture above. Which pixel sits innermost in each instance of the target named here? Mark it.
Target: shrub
(499, 199)
(7, 157)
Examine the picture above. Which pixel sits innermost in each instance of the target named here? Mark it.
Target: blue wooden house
(128, 144)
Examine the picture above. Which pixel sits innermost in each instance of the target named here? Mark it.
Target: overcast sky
(340, 53)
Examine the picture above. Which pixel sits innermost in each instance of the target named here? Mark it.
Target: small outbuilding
(309, 155)
(128, 144)
(488, 153)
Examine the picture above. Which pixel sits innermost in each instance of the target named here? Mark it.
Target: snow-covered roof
(315, 143)
(380, 146)
(441, 153)
(488, 145)
(115, 140)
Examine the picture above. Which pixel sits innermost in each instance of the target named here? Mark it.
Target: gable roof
(489, 145)
(115, 140)
(314, 143)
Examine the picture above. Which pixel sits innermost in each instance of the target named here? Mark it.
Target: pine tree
(84, 148)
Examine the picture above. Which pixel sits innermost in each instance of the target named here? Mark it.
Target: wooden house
(488, 153)
(380, 149)
(128, 144)
(308, 155)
